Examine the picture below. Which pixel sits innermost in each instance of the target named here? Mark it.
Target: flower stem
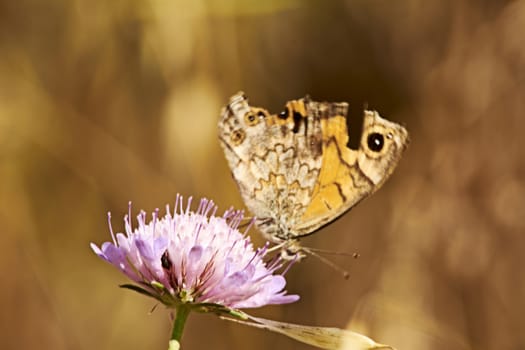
(180, 320)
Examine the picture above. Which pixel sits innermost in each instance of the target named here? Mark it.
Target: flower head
(195, 258)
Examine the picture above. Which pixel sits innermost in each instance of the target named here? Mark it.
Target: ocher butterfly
(294, 169)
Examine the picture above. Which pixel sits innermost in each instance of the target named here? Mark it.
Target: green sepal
(142, 291)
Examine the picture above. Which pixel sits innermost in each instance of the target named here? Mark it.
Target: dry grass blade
(322, 337)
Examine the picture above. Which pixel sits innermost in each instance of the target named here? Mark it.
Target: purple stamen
(111, 229)
(129, 213)
(190, 199)
(292, 262)
(155, 217)
(249, 226)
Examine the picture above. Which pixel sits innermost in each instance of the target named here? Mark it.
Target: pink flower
(195, 258)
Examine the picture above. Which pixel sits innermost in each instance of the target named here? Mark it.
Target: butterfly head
(292, 251)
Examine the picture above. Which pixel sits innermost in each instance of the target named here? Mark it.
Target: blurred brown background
(102, 102)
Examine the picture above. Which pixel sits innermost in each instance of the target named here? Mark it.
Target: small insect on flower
(196, 259)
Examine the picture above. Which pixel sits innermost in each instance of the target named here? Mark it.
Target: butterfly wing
(347, 176)
(275, 160)
(294, 169)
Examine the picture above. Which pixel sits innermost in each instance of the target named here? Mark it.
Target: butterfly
(294, 169)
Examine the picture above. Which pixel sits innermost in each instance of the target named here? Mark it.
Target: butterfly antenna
(330, 263)
(331, 252)
(249, 222)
